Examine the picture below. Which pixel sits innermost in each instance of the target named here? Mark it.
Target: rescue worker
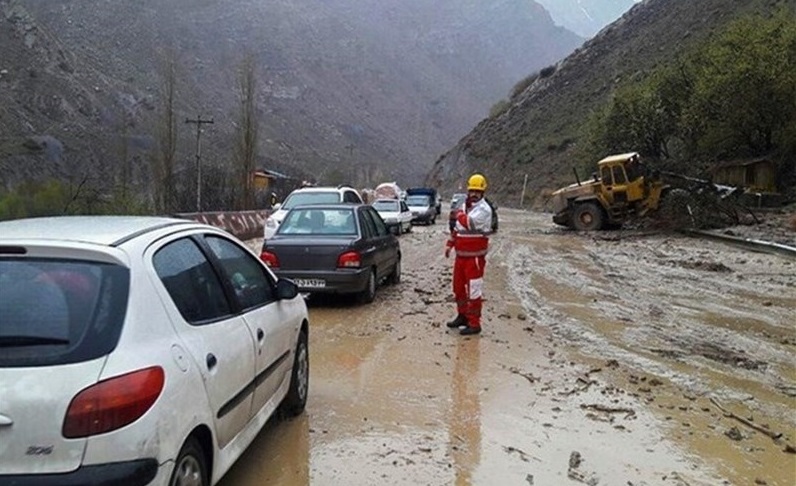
(469, 238)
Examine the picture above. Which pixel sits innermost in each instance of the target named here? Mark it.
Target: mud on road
(616, 358)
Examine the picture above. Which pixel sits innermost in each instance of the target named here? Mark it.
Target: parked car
(436, 199)
(139, 350)
(423, 208)
(309, 195)
(336, 248)
(395, 213)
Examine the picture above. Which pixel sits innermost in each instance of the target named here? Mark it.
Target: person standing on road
(469, 238)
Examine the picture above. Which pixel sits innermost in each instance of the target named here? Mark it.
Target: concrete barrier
(243, 224)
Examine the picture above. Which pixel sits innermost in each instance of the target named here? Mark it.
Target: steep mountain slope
(537, 134)
(344, 84)
(586, 17)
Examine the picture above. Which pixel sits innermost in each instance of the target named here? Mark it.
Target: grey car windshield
(302, 198)
(418, 201)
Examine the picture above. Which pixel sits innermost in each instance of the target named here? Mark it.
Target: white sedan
(139, 351)
(395, 213)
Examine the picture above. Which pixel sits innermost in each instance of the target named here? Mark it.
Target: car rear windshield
(318, 221)
(59, 311)
(385, 205)
(315, 197)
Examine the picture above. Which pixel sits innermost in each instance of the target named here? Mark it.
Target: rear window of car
(385, 205)
(314, 197)
(318, 221)
(59, 311)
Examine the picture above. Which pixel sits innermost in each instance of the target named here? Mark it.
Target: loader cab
(621, 179)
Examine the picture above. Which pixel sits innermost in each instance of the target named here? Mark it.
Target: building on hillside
(756, 176)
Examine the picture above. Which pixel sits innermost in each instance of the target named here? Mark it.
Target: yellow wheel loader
(621, 189)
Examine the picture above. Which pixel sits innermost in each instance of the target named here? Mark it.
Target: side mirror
(286, 289)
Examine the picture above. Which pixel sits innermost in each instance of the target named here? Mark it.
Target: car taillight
(269, 259)
(349, 260)
(113, 403)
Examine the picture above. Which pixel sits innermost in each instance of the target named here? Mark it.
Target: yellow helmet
(476, 182)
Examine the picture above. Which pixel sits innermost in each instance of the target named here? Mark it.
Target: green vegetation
(734, 96)
(499, 108)
(55, 198)
(523, 85)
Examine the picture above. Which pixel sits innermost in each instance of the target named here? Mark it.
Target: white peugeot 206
(139, 350)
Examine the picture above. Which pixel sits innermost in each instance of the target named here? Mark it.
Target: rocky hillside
(536, 135)
(586, 17)
(348, 89)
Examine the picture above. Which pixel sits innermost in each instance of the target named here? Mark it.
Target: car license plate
(310, 283)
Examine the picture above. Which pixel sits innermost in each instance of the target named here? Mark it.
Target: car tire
(369, 294)
(587, 217)
(395, 276)
(296, 399)
(190, 467)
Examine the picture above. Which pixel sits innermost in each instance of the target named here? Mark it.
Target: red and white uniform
(470, 241)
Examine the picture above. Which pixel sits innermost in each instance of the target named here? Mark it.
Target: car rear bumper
(344, 281)
(424, 218)
(130, 473)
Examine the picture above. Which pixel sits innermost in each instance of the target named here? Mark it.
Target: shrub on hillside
(523, 85)
(499, 108)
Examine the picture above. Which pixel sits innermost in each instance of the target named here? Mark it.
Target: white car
(395, 213)
(139, 351)
(309, 195)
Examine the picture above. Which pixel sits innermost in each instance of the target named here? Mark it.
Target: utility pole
(352, 169)
(522, 197)
(199, 122)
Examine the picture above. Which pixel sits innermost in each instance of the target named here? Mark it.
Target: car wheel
(190, 468)
(395, 276)
(367, 295)
(433, 220)
(296, 398)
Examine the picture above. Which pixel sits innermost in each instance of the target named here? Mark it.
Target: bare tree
(248, 125)
(164, 159)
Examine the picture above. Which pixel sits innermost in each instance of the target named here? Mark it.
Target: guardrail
(748, 243)
(243, 224)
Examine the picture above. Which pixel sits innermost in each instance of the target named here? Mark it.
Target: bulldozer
(622, 188)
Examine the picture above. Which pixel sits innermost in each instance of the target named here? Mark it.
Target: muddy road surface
(616, 358)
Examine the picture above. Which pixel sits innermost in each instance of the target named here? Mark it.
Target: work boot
(467, 331)
(459, 321)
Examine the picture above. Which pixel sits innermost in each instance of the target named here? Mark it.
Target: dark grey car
(335, 248)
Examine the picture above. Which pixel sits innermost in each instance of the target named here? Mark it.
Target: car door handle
(211, 361)
(260, 335)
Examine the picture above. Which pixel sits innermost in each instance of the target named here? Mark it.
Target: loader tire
(587, 217)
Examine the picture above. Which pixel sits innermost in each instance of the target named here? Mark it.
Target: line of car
(327, 241)
(151, 351)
